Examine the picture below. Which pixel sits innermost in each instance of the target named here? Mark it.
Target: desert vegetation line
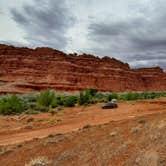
(51, 101)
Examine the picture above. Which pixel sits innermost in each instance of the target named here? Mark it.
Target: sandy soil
(138, 127)
(16, 129)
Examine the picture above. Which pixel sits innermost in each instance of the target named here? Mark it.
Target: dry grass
(42, 161)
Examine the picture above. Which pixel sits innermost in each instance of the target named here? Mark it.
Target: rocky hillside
(29, 70)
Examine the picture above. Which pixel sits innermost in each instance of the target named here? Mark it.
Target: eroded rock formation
(28, 70)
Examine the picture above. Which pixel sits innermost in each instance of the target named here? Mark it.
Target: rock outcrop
(28, 70)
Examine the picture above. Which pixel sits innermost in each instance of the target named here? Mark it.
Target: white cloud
(133, 31)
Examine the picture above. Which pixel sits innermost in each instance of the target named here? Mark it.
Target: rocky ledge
(25, 70)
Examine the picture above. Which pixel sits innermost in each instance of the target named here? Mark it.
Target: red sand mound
(29, 70)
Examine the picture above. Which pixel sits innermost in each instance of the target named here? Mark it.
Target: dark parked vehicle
(110, 106)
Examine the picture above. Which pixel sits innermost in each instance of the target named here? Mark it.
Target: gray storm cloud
(140, 41)
(131, 31)
(45, 22)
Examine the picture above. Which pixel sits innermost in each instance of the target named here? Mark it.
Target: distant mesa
(25, 70)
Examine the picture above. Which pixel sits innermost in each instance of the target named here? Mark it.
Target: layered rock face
(25, 70)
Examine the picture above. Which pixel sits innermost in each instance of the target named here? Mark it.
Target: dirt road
(78, 117)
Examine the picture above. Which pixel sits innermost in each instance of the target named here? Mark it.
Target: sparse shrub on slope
(11, 105)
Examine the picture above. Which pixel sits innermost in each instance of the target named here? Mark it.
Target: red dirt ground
(136, 129)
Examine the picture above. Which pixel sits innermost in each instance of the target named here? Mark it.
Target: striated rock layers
(28, 70)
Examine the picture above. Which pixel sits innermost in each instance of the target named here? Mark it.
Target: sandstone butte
(25, 70)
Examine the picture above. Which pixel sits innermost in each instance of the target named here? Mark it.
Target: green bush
(36, 107)
(70, 101)
(60, 100)
(41, 108)
(129, 96)
(11, 105)
(101, 97)
(43, 102)
(140, 95)
(91, 92)
(46, 98)
(149, 95)
(84, 98)
(30, 97)
(112, 96)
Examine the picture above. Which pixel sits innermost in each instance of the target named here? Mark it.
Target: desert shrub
(47, 98)
(84, 98)
(31, 105)
(91, 92)
(149, 95)
(101, 97)
(60, 100)
(41, 108)
(94, 100)
(88, 96)
(141, 95)
(36, 107)
(30, 97)
(112, 96)
(70, 101)
(130, 96)
(11, 105)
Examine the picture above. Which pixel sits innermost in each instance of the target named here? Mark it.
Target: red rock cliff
(28, 70)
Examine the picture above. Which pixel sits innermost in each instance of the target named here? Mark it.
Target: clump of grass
(55, 120)
(42, 161)
(4, 150)
(52, 111)
(29, 112)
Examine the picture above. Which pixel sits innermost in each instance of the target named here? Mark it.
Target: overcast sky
(129, 30)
